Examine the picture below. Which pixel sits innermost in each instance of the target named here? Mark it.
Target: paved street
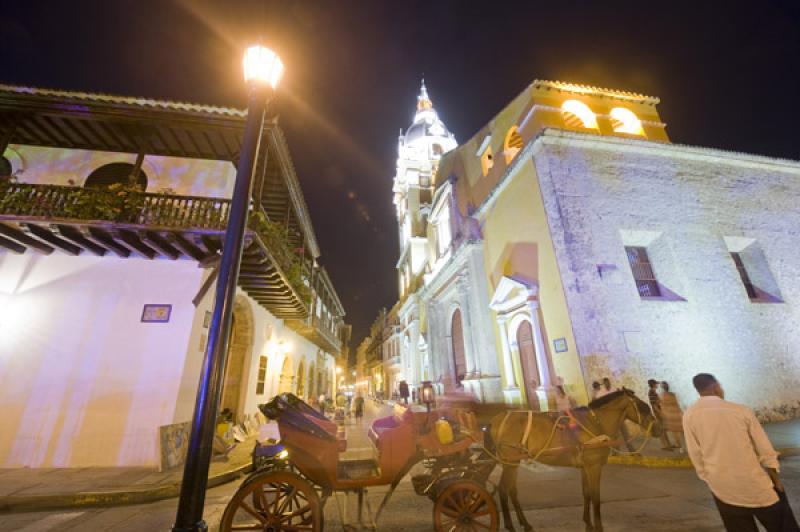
(634, 499)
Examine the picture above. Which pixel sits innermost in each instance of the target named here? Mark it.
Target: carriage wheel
(285, 502)
(464, 505)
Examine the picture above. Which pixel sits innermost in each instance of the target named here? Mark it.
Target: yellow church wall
(517, 244)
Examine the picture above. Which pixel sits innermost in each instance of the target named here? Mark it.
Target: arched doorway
(238, 362)
(527, 358)
(301, 380)
(312, 381)
(286, 378)
(457, 339)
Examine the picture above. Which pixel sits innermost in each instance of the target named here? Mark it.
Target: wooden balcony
(314, 330)
(79, 221)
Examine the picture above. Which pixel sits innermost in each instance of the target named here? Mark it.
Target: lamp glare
(262, 65)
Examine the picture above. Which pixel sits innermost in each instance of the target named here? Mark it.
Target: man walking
(732, 454)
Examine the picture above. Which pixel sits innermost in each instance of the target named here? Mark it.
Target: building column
(546, 391)
(508, 363)
(466, 325)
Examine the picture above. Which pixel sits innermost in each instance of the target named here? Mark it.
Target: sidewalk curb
(677, 462)
(99, 499)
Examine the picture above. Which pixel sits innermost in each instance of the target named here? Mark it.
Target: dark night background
(727, 74)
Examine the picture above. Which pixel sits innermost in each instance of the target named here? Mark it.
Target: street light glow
(262, 65)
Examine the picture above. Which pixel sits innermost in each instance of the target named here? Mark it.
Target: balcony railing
(123, 219)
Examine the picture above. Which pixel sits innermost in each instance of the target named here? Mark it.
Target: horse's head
(639, 412)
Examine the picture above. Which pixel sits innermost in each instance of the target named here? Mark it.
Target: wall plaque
(156, 313)
(560, 345)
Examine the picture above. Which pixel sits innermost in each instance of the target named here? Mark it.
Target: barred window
(262, 375)
(642, 270)
(748, 284)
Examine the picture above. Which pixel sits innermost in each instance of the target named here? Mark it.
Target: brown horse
(583, 442)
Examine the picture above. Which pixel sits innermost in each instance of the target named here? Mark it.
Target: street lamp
(262, 72)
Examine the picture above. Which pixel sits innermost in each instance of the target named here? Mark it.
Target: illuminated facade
(105, 305)
(605, 250)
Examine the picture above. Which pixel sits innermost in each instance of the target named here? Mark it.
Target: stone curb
(677, 462)
(98, 499)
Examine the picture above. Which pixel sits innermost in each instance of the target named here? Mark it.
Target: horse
(582, 440)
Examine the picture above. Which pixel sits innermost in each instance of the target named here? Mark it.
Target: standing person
(564, 403)
(595, 390)
(606, 389)
(655, 406)
(358, 406)
(733, 456)
(404, 391)
(672, 414)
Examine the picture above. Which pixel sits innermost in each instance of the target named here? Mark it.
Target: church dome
(426, 121)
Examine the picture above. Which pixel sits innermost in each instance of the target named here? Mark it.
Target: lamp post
(262, 72)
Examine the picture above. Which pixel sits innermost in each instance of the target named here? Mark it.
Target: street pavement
(634, 499)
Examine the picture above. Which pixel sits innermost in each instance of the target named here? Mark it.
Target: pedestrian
(655, 406)
(595, 390)
(606, 388)
(672, 415)
(564, 403)
(733, 456)
(358, 405)
(404, 391)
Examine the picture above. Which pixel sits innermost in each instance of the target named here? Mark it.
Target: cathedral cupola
(427, 123)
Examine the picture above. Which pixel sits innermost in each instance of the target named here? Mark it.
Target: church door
(459, 358)
(527, 358)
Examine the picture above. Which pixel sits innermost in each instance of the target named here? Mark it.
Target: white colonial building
(112, 213)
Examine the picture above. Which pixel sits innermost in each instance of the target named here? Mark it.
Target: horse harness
(597, 440)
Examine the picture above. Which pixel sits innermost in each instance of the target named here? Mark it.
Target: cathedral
(569, 240)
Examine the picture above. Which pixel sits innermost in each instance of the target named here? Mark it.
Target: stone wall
(690, 207)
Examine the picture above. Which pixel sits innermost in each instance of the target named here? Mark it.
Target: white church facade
(569, 240)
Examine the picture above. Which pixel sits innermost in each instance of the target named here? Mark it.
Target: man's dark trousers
(775, 518)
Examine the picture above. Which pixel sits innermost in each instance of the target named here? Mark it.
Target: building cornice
(556, 137)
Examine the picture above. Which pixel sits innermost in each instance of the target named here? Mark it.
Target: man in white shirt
(732, 454)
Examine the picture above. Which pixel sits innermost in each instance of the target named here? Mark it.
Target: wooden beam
(21, 237)
(102, 238)
(211, 244)
(206, 286)
(130, 240)
(187, 247)
(71, 233)
(48, 236)
(155, 241)
(211, 260)
(11, 245)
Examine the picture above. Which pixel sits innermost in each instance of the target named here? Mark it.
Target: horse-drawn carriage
(308, 467)
(302, 473)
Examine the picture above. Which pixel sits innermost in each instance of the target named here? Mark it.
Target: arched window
(113, 173)
(487, 160)
(437, 149)
(512, 144)
(624, 121)
(457, 338)
(578, 114)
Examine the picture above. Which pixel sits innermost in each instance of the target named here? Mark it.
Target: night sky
(727, 74)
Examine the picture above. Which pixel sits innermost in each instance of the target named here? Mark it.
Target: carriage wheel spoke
(486, 526)
(249, 509)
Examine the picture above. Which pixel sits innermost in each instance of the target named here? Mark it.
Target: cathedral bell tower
(419, 151)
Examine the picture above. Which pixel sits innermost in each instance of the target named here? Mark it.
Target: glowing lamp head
(262, 66)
